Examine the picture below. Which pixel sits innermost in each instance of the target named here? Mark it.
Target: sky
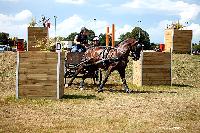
(151, 15)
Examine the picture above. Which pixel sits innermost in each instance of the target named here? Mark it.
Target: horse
(109, 59)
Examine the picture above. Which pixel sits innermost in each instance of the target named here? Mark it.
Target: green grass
(147, 109)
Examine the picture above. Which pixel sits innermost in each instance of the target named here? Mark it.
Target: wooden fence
(153, 68)
(40, 74)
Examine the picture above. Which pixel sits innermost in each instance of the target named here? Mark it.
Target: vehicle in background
(5, 48)
(196, 52)
(14, 49)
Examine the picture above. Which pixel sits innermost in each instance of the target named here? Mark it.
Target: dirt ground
(163, 109)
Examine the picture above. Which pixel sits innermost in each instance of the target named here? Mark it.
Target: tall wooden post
(113, 35)
(107, 36)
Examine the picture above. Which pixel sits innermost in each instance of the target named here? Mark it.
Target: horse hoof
(66, 85)
(100, 90)
(127, 91)
(111, 89)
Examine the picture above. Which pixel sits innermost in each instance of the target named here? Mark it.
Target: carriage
(72, 61)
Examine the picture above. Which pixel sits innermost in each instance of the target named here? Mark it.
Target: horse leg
(105, 80)
(82, 82)
(100, 76)
(74, 76)
(122, 75)
(97, 76)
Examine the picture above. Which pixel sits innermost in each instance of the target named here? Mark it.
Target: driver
(81, 40)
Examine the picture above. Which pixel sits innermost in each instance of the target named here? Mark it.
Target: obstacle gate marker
(108, 34)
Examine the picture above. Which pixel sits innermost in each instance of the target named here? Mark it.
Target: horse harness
(104, 56)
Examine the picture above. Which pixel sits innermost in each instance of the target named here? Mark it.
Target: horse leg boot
(82, 83)
(97, 77)
(122, 75)
(94, 76)
(126, 89)
(104, 81)
(74, 76)
(100, 76)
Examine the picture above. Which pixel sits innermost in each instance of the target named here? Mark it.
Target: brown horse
(109, 59)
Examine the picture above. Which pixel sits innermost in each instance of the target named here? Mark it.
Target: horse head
(135, 48)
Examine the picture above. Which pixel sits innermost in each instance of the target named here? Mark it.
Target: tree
(4, 38)
(91, 35)
(124, 36)
(60, 38)
(71, 36)
(196, 46)
(25, 45)
(102, 40)
(154, 46)
(138, 34)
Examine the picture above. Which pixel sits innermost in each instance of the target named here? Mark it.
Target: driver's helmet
(96, 38)
(83, 29)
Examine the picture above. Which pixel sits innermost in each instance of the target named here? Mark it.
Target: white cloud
(5, 18)
(74, 24)
(15, 25)
(157, 33)
(99, 26)
(71, 1)
(133, 4)
(70, 25)
(122, 30)
(196, 31)
(23, 15)
(185, 10)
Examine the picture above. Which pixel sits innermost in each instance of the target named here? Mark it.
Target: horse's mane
(128, 40)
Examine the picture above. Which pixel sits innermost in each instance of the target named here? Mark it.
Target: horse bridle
(136, 50)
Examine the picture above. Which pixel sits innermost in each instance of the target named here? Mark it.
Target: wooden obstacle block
(40, 74)
(37, 35)
(178, 40)
(153, 68)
